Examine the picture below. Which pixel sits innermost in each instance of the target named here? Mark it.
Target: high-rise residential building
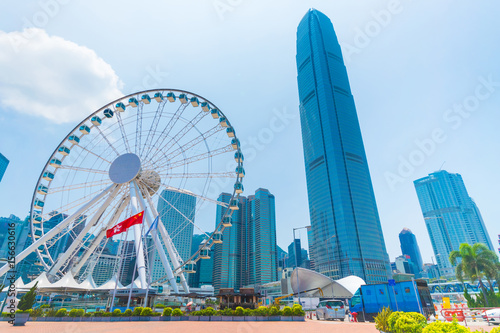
(347, 235)
(248, 254)
(177, 213)
(409, 247)
(4, 162)
(450, 215)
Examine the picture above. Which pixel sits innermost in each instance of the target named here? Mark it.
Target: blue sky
(425, 78)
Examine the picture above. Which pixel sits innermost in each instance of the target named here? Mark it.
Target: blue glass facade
(176, 211)
(3, 165)
(347, 235)
(450, 215)
(228, 263)
(248, 254)
(410, 248)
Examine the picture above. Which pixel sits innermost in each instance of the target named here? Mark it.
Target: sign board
(392, 282)
(446, 303)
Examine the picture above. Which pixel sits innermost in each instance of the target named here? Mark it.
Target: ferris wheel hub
(125, 168)
(151, 179)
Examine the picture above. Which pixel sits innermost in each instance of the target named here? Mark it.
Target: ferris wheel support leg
(77, 241)
(139, 246)
(158, 245)
(168, 243)
(95, 243)
(57, 229)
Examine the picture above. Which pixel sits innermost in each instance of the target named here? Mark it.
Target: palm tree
(477, 261)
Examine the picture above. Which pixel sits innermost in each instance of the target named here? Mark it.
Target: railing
(471, 315)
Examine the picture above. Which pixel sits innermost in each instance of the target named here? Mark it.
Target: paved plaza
(308, 326)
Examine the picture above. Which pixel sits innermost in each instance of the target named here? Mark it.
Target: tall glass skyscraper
(450, 215)
(409, 247)
(347, 236)
(177, 211)
(3, 165)
(248, 254)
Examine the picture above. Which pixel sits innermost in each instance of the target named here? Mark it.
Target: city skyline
(237, 52)
(346, 235)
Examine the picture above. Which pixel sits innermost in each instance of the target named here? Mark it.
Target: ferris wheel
(119, 161)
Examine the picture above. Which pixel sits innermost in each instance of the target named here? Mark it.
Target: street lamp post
(439, 273)
(296, 265)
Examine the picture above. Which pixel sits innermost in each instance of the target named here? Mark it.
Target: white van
(331, 309)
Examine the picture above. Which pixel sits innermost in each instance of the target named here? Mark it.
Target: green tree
(28, 300)
(475, 264)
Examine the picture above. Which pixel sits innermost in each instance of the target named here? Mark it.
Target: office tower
(292, 251)
(228, 263)
(3, 165)
(450, 215)
(310, 240)
(282, 257)
(248, 254)
(30, 266)
(431, 271)
(104, 269)
(403, 265)
(204, 268)
(127, 266)
(347, 235)
(177, 213)
(263, 254)
(409, 247)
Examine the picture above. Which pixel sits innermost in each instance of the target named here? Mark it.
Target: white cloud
(53, 78)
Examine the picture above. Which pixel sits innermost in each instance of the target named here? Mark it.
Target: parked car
(492, 316)
(330, 309)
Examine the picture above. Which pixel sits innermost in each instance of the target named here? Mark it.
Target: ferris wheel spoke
(179, 190)
(91, 152)
(200, 175)
(122, 131)
(106, 139)
(71, 205)
(138, 129)
(69, 167)
(196, 158)
(166, 131)
(184, 216)
(199, 139)
(73, 187)
(75, 245)
(179, 135)
(154, 124)
(119, 208)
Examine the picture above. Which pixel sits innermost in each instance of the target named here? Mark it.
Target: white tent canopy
(19, 284)
(110, 284)
(307, 280)
(43, 282)
(88, 283)
(66, 282)
(136, 285)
